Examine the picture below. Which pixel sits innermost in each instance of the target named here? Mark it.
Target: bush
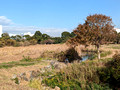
(26, 43)
(111, 73)
(36, 83)
(19, 44)
(10, 42)
(33, 42)
(71, 54)
(49, 41)
(49, 55)
(2, 43)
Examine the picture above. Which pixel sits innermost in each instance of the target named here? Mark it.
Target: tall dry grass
(8, 54)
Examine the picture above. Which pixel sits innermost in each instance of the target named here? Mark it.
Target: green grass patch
(79, 76)
(106, 53)
(26, 61)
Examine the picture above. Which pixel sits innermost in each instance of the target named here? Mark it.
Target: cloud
(5, 21)
(117, 29)
(13, 28)
(31, 30)
(28, 33)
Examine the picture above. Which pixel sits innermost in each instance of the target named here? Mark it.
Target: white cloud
(5, 21)
(13, 29)
(28, 33)
(10, 34)
(117, 29)
(31, 30)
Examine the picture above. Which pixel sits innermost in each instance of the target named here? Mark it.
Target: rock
(34, 74)
(47, 68)
(59, 65)
(42, 70)
(23, 74)
(57, 88)
(52, 63)
(14, 76)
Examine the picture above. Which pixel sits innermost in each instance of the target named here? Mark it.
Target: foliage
(5, 36)
(10, 42)
(105, 53)
(57, 40)
(79, 76)
(38, 36)
(26, 43)
(2, 43)
(36, 83)
(111, 73)
(49, 55)
(71, 54)
(17, 80)
(96, 30)
(27, 37)
(117, 38)
(48, 41)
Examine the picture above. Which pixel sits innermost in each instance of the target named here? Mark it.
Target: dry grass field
(8, 54)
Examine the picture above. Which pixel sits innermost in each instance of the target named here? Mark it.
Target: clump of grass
(49, 55)
(79, 76)
(105, 53)
(14, 64)
(111, 73)
(26, 61)
(36, 83)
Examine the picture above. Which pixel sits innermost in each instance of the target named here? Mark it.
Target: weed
(36, 83)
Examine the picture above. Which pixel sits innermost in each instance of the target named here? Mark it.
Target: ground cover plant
(79, 76)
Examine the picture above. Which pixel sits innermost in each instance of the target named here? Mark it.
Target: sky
(53, 16)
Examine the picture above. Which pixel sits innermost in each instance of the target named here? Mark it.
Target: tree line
(37, 38)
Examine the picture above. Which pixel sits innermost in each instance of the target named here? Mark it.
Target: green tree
(97, 29)
(5, 36)
(38, 36)
(57, 40)
(65, 34)
(45, 36)
(27, 37)
(72, 34)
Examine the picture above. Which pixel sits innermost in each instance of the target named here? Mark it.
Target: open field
(11, 61)
(6, 74)
(8, 54)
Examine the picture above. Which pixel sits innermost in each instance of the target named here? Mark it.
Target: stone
(14, 76)
(59, 65)
(23, 74)
(57, 88)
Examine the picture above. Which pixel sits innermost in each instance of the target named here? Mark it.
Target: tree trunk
(98, 51)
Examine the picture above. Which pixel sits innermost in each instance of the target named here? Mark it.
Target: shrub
(10, 42)
(49, 41)
(33, 42)
(19, 44)
(49, 55)
(2, 43)
(71, 54)
(36, 83)
(26, 43)
(111, 73)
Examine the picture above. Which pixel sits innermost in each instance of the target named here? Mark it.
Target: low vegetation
(37, 38)
(26, 61)
(88, 75)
